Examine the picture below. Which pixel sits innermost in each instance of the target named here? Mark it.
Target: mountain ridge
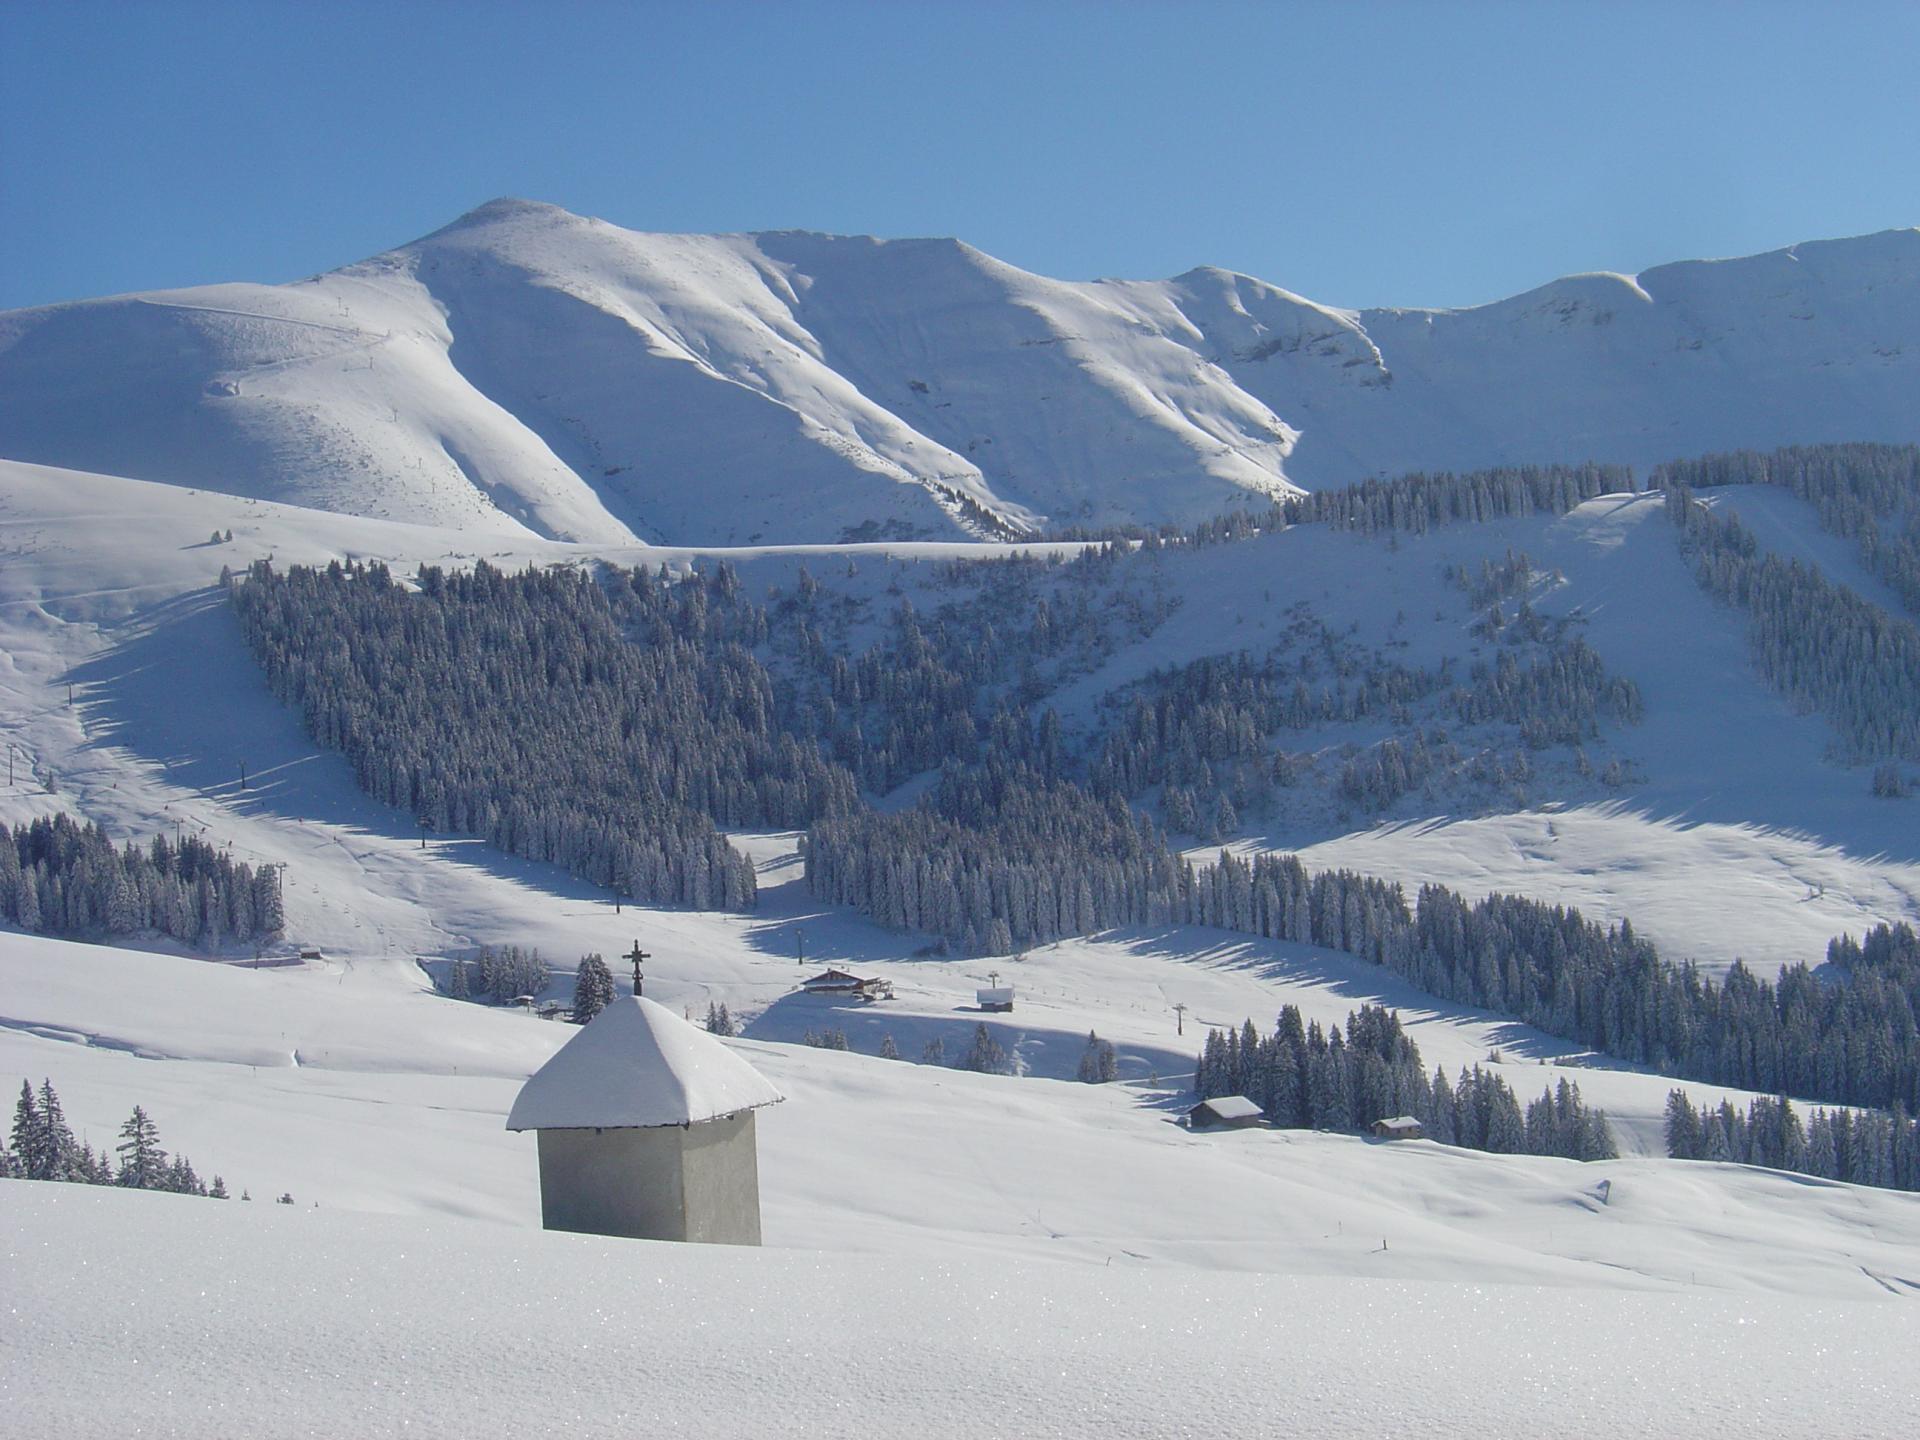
(523, 369)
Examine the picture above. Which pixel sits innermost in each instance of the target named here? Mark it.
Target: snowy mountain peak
(510, 209)
(527, 370)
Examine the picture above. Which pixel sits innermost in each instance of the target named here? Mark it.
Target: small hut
(646, 1130)
(999, 998)
(1400, 1127)
(1225, 1112)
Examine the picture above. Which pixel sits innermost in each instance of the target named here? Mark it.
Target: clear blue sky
(1427, 154)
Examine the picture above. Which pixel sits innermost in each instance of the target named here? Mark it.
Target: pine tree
(1089, 1067)
(888, 1050)
(28, 1134)
(985, 1054)
(1098, 1063)
(1683, 1127)
(142, 1161)
(56, 1136)
(592, 988)
(43, 1145)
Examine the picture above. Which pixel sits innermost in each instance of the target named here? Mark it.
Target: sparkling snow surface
(638, 1064)
(157, 1315)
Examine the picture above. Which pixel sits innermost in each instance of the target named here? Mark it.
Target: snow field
(275, 1322)
(975, 1228)
(350, 1089)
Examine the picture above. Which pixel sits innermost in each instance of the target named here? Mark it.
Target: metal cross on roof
(636, 955)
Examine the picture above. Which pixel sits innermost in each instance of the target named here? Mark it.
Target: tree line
(1817, 642)
(44, 1148)
(999, 860)
(1305, 1078)
(1417, 503)
(1869, 494)
(63, 876)
(498, 974)
(997, 857)
(1850, 1042)
(1870, 1147)
(605, 728)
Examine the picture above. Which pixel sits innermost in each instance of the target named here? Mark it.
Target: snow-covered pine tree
(143, 1164)
(1089, 1067)
(29, 1135)
(985, 1054)
(1682, 1127)
(592, 988)
(57, 1137)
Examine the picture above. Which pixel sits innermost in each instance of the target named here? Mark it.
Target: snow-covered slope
(968, 1221)
(1740, 839)
(266, 1321)
(1040, 1233)
(528, 370)
(1817, 342)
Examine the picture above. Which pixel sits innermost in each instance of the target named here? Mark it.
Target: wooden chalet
(1400, 1127)
(1225, 1112)
(840, 982)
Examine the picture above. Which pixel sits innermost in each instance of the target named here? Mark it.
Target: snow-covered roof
(638, 1064)
(1001, 995)
(1233, 1107)
(1398, 1122)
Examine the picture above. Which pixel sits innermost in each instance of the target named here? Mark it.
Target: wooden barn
(1225, 1112)
(1400, 1127)
(998, 998)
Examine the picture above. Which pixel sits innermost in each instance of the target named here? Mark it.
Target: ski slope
(528, 372)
